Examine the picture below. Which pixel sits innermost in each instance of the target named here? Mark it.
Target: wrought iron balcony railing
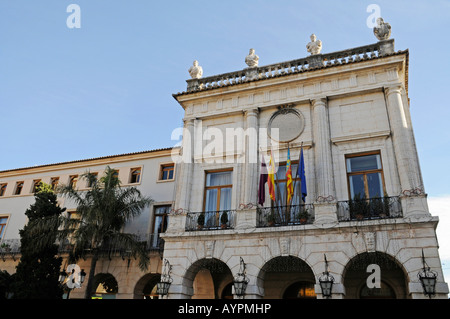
(210, 220)
(152, 243)
(285, 215)
(373, 208)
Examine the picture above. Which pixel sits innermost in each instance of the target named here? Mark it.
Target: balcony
(285, 215)
(224, 219)
(10, 248)
(369, 209)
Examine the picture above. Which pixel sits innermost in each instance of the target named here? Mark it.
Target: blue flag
(301, 174)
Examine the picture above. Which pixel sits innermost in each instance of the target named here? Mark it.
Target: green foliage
(104, 211)
(224, 217)
(38, 269)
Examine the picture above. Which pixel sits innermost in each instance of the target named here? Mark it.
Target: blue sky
(106, 88)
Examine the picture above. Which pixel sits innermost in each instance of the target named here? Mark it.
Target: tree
(38, 270)
(104, 209)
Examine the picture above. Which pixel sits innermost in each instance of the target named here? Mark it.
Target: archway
(287, 277)
(359, 278)
(105, 286)
(209, 279)
(146, 287)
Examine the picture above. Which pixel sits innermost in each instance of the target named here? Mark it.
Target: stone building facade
(347, 112)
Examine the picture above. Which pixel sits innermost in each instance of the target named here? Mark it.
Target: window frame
(219, 187)
(162, 166)
(18, 192)
(3, 226)
(139, 178)
(3, 187)
(365, 173)
(35, 185)
(54, 182)
(73, 178)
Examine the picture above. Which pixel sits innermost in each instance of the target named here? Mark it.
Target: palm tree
(103, 211)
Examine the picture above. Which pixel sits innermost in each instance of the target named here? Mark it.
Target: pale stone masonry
(353, 102)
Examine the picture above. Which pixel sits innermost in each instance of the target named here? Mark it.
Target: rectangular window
(218, 191)
(135, 175)
(18, 190)
(166, 172)
(36, 184)
(3, 221)
(160, 222)
(73, 179)
(54, 182)
(3, 189)
(91, 182)
(365, 175)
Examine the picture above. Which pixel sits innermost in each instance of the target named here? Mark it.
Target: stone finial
(383, 30)
(252, 59)
(195, 70)
(315, 46)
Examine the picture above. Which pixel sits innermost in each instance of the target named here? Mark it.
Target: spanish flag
(289, 183)
(270, 179)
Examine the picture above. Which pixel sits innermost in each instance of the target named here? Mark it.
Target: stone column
(325, 202)
(413, 196)
(251, 157)
(186, 166)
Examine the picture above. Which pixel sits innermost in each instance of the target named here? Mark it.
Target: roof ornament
(382, 30)
(195, 70)
(315, 46)
(252, 59)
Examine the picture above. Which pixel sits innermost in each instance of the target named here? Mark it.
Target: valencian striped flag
(271, 180)
(289, 183)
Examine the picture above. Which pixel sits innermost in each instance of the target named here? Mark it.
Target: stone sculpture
(195, 70)
(383, 30)
(315, 46)
(252, 59)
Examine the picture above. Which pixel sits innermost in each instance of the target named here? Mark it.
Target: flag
(262, 183)
(289, 183)
(271, 180)
(301, 174)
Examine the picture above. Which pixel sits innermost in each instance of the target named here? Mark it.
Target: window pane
(225, 198)
(211, 200)
(375, 185)
(217, 179)
(363, 163)
(357, 185)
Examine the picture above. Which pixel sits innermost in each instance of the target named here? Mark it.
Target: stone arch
(281, 272)
(392, 274)
(143, 287)
(104, 286)
(214, 273)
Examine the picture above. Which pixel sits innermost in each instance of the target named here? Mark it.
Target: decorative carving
(383, 30)
(325, 199)
(370, 241)
(209, 249)
(195, 70)
(288, 124)
(315, 46)
(284, 246)
(252, 59)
